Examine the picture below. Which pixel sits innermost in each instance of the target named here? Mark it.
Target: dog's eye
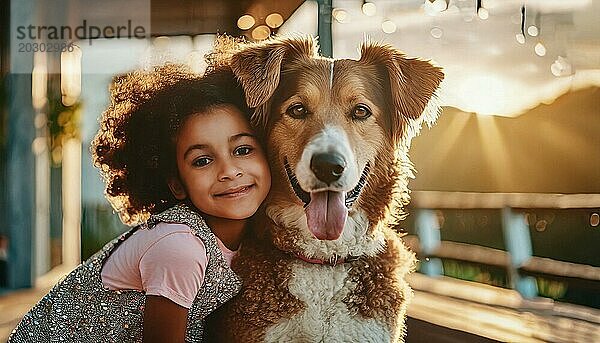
(361, 112)
(297, 111)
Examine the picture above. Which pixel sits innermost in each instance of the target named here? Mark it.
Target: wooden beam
(471, 200)
(499, 258)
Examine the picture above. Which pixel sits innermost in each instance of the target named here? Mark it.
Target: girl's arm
(172, 272)
(164, 320)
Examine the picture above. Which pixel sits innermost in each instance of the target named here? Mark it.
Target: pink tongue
(326, 214)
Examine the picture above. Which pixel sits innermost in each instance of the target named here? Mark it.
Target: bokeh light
(540, 49)
(261, 32)
(369, 9)
(533, 31)
(340, 15)
(274, 20)
(246, 22)
(388, 26)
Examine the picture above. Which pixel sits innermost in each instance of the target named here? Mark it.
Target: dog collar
(333, 261)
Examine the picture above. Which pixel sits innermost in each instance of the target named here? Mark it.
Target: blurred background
(505, 211)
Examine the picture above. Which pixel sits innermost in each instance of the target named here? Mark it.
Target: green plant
(474, 272)
(551, 289)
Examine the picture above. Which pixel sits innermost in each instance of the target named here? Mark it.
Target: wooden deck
(496, 314)
(444, 310)
(15, 304)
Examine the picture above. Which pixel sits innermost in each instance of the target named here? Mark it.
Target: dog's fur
(285, 298)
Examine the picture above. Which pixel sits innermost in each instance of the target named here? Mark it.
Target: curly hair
(135, 145)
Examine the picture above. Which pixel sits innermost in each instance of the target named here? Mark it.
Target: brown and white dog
(328, 266)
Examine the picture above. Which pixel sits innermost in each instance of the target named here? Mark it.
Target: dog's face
(333, 128)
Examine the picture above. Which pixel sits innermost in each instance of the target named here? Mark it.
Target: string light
(274, 20)
(440, 5)
(533, 31)
(388, 26)
(540, 49)
(246, 22)
(434, 7)
(521, 36)
(261, 32)
(481, 11)
(369, 9)
(483, 14)
(340, 15)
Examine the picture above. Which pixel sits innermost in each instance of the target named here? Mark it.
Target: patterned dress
(80, 309)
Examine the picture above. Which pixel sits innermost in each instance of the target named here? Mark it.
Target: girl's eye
(361, 112)
(243, 150)
(297, 111)
(201, 162)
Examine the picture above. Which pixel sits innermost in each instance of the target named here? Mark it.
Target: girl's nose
(229, 171)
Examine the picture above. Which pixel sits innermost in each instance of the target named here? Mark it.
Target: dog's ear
(412, 83)
(258, 66)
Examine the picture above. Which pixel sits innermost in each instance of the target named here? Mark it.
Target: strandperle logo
(47, 33)
(100, 30)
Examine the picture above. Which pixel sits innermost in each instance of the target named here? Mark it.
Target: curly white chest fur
(326, 318)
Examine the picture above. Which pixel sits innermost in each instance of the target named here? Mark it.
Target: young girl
(180, 148)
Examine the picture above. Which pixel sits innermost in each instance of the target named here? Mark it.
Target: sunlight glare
(487, 94)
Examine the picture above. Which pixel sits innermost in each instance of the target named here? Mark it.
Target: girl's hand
(164, 320)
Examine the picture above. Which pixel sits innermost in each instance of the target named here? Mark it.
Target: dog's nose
(328, 167)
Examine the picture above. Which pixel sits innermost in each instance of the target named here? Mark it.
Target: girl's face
(222, 167)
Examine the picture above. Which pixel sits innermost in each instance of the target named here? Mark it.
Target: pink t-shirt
(167, 260)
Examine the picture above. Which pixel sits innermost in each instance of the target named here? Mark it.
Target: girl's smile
(236, 192)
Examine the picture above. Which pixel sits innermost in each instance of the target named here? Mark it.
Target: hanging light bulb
(483, 13)
(245, 22)
(434, 7)
(533, 31)
(274, 20)
(369, 9)
(521, 36)
(261, 32)
(540, 49)
(340, 15)
(440, 5)
(388, 26)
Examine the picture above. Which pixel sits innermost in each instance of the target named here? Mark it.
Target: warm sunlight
(488, 94)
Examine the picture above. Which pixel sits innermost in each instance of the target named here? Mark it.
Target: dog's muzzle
(305, 196)
(326, 210)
